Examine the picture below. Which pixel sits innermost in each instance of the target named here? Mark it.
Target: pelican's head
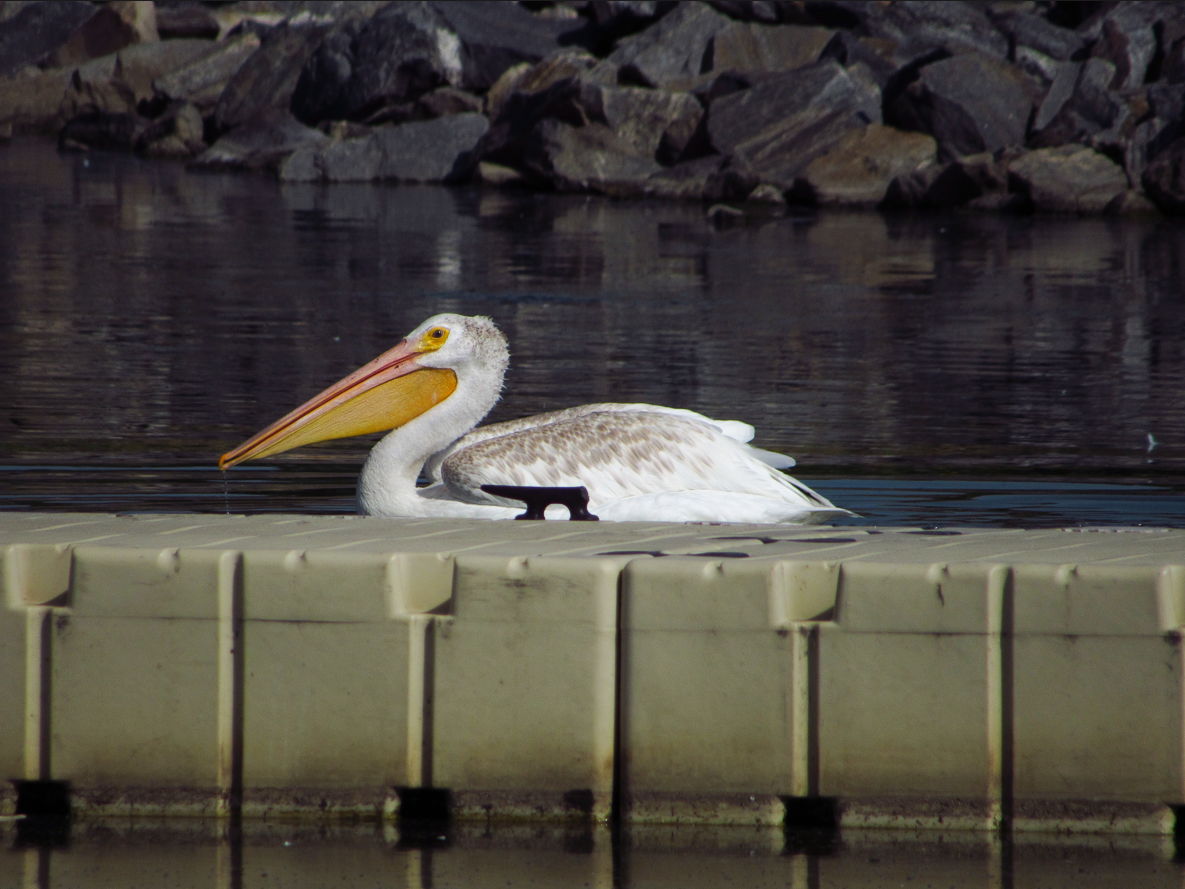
(419, 373)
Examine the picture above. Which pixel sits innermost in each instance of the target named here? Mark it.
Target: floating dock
(288, 666)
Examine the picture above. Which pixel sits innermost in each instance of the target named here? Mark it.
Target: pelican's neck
(387, 485)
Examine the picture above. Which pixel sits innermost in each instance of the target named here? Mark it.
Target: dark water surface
(177, 855)
(923, 369)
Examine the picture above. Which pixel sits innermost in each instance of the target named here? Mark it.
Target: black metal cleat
(539, 498)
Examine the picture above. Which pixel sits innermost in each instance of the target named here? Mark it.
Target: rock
(657, 123)
(495, 36)
(33, 103)
(444, 101)
(102, 130)
(109, 30)
(404, 51)
(1067, 179)
(923, 28)
(1130, 203)
(734, 180)
(37, 30)
(498, 175)
(909, 190)
(968, 180)
(527, 80)
(266, 81)
(858, 169)
(673, 53)
(260, 143)
(423, 151)
(185, 19)
(504, 87)
(849, 49)
(766, 194)
(1128, 42)
(1026, 29)
(433, 150)
(687, 181)
(1092, 113)
(764, 48)
(969, 103)
(139, 66)
(1164, 179)
(202, 82)
(723, 214)
(178, 133)
(747, 114)
(590, 158)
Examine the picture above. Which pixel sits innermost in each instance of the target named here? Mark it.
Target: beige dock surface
(290, 665)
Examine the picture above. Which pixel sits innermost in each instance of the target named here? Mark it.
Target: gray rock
(909, 190)
(673, 53)
(1026, 28)
(139, 66)
(1164, 179)
(657, 123)
(1093, 113)
(920, 28)
(178, 133)
(1061, 87)
(37, 30)
(766, 108)
(969, 103)
(438, 150)
(751, 47)
(766, 13)
(202, 82)
(185, 19)
(404, 51)
(1128, 42)
(858, 169)
(495, 36)
(1131, 203)
(687, 181)
(444, 101)
(102, 130)
(1067, 179)
(266, 81)
(423, 151)
(260, 144)
(849, 49)
(591, 158)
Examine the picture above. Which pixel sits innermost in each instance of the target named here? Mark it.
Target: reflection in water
(213, 856)
(153, 318)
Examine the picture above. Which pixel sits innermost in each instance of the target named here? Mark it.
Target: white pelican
(639, 462)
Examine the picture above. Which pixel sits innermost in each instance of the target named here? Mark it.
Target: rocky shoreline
(1061, 107)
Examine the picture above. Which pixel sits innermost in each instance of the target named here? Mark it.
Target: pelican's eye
(435, 338)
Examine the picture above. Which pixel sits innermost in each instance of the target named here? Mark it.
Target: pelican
(639, 462)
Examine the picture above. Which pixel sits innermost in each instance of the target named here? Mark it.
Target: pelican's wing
(620, 454)
(734, 429)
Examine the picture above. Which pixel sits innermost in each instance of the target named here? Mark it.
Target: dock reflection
(179, 854)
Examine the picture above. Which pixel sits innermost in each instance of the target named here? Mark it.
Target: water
(966, 369)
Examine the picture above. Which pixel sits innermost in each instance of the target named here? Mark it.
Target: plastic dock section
(281, 666)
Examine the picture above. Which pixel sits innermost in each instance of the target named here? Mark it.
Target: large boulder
(33, 102)
(423, 151)
(266, 81)
(969, 103)
(745, 46)
(930, 28)
(1089, 111)
(261, 143)
(590, 158)
(773, 130)
(1067, 179)
(657, 123)
(363, 66)
(1128, 41)
(494, 36)
(109, 30)
(858, 169)
(37, 30)
(201, 83)
(740, 117)
(673, 53)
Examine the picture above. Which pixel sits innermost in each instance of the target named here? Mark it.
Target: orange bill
(386, 393)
